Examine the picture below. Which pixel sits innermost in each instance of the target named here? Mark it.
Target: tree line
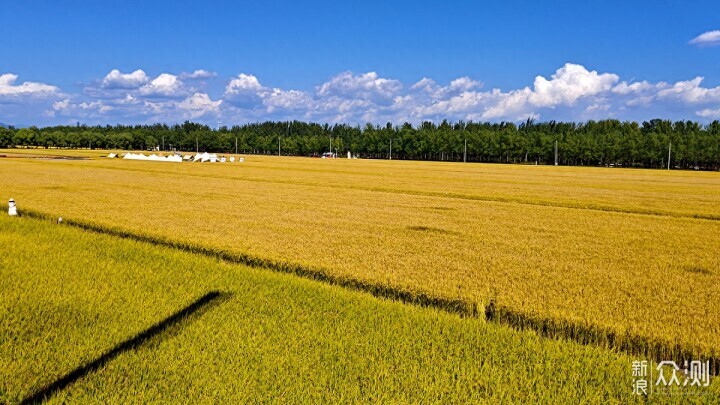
(597, 143)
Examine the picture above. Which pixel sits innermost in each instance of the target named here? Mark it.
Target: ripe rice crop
(593, 251)
(653, 192)
(70, 295)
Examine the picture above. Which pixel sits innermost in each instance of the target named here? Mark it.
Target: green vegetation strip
(587, 334)
(276, 337)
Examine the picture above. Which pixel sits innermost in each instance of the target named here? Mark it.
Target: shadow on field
(184, 315)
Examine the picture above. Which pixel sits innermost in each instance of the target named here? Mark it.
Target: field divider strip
(583, 333)
(134, 342)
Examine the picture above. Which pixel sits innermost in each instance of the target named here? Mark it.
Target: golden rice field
(70, 295)
(627, 252)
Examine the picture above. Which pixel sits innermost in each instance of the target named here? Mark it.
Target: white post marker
(12, 209)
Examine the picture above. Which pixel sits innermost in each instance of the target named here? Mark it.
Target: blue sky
(141, 62)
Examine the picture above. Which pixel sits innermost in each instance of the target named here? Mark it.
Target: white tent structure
(178, 158)
(205, 157)
(174, 158)
(134, 156)
(153, 157)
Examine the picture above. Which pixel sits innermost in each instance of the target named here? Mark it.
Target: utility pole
(330, 145)
(287, 132)
(390, 156)
(465, 152)
(236, 145)
(669, 152)
(452, 131)
(163, 143)
(197, 146)
(556, 154)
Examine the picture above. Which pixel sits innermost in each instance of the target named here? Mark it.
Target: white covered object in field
(12, 209)
(153, 157)
(205, 157)
(112, 155)
(134, 156)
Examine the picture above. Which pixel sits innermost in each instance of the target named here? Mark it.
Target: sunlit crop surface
(633, 252)
(70, 295)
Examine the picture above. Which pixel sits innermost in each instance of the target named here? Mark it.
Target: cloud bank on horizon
(571, 93)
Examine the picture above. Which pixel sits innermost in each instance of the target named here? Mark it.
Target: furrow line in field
(584, 333)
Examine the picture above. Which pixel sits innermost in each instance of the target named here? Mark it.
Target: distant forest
(592, 143)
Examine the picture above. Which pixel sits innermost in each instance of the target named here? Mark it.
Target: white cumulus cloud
(709, 38)
(243, 84)
(365, 86)
(82, 109)
(197, 75)
(9, 90)
(568, 84)
(117, 80)
(691, 91)
(286, 100)
(573, 92)
(623, 88)
(709, 113)
(61, 105)
(199, 104)
(165, 85)
(456, 87)
(245, 91)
